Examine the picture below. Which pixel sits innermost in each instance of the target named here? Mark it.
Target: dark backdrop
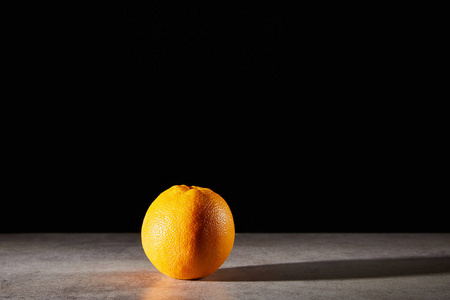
(300, 116)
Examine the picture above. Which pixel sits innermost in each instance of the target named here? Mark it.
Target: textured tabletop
(260, 266)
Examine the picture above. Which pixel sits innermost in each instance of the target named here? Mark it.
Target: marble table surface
(260, 266)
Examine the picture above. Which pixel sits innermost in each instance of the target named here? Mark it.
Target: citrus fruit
(188, 232)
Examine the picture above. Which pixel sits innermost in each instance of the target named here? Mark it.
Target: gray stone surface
(261, 266)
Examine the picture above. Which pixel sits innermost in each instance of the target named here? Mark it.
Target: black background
(300, 116)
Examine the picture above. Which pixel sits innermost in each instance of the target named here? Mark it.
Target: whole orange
(188, 232)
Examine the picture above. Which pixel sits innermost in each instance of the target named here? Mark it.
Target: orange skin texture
(188, 232)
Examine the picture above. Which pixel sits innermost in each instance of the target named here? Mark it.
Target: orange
(188, 232)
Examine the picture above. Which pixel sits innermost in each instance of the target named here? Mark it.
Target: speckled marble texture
(261, 266)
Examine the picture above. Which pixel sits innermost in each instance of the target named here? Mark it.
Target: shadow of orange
(339, 269)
